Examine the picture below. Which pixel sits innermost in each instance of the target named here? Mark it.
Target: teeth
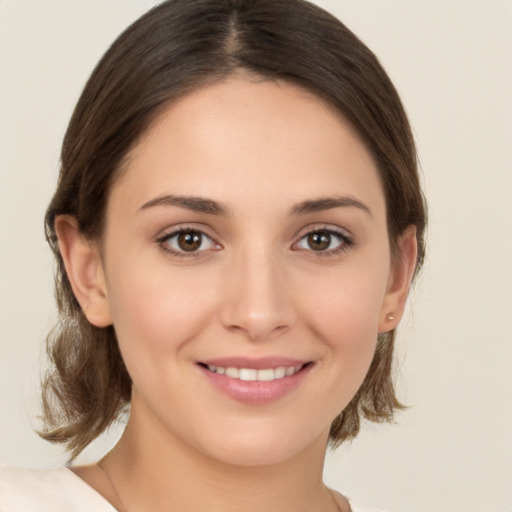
(280, 372)
(232, 372)
(247, 374)
(266, 375)
(290, 370)
(251, 374)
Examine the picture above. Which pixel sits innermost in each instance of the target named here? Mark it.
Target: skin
(256, 287)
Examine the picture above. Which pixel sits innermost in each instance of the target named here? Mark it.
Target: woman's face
(247, 270)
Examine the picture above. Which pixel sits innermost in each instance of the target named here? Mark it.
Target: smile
(256, 382)
(252, 374)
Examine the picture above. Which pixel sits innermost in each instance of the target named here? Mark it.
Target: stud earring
(389, 318)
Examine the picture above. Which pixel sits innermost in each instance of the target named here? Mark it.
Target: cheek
(342, 309)
(156, 310)
(345, 304)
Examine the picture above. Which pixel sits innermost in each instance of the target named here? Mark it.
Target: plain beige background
(451, 62)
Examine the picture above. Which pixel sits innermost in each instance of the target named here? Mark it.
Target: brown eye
(189, 240)
(186, 241)
(319, 241)
(324, 241)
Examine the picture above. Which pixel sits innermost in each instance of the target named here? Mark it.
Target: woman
(237, 223)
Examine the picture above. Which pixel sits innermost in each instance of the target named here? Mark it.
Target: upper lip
(259, 363)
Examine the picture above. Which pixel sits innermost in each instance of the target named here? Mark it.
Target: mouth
(256, 382)
(255, 374)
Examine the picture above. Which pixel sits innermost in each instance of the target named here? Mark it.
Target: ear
(399, 282)
(84, 269)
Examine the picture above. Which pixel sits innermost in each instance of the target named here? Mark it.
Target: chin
(257, 447)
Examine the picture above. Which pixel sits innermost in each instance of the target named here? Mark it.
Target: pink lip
(255, 392)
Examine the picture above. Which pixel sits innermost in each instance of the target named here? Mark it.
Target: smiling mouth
(252, 374)
(256, 381)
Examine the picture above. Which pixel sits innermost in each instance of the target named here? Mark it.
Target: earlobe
(400, 278)
(84, 269)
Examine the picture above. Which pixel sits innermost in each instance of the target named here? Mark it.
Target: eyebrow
(327, 203)
(197, 204)
(211, 207)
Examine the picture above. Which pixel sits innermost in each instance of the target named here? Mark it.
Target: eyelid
(173, 231)
(346, 237)
(313, 228)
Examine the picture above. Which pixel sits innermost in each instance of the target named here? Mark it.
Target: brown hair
(177, 47)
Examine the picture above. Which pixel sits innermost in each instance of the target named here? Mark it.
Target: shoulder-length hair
(178, 47)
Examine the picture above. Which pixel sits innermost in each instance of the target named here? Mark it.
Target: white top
(58, 490)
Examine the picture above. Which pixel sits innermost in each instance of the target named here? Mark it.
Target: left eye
(187, 241)
(322, 241)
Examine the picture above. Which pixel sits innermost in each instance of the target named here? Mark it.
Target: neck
(160, 472)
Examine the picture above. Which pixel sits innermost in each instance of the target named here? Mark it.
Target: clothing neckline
(73, 476)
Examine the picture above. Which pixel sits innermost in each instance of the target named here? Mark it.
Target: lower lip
(256, 392)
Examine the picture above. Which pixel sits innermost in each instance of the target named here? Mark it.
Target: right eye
(186, 242)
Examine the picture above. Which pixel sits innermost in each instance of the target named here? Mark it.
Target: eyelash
(163, 241)
(346, 242)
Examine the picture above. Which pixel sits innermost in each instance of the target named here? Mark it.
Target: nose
(257, 297)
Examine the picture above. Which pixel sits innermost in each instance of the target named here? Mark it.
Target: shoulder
(47, 490)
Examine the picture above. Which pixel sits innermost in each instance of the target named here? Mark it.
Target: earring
(389, 318)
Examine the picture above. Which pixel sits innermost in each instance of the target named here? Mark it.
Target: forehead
(244, 137)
